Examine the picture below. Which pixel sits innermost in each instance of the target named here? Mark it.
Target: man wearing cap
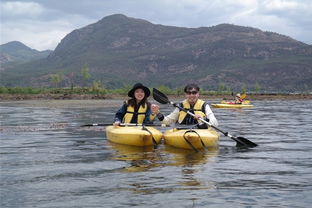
(137, 109)
(193, 104)
(238, 99)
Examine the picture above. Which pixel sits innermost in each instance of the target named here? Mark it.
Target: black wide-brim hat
(139, 86)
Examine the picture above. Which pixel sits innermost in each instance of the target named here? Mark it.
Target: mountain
(16, 52)
(122, 50)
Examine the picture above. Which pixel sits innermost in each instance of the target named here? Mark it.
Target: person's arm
(210, 116)
(171, 118)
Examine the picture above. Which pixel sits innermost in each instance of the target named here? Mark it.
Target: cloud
(21, 9)
(280, 5)
(288, 17)
(33, 35)
(37, 26)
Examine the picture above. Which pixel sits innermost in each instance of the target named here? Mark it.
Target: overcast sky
(42, 24)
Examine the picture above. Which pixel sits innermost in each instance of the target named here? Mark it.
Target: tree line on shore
(97, 88)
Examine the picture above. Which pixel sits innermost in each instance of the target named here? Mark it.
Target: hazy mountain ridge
(118, 50)
(17, 52)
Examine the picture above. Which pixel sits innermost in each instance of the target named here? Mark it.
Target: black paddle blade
(241, 141)
(160, 97)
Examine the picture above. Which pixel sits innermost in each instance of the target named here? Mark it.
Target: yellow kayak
(245, 102)
(191, 138)
(227, 105)
(133, 135)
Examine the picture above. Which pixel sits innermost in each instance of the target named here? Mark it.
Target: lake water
(47, 160)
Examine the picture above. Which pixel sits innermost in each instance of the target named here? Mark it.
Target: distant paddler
(239, 99)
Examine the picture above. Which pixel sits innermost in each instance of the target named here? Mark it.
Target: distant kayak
(227, 105)
(133, 135)
(245, 102)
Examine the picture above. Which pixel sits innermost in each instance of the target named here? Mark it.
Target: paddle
(95, 124)
(121, 124)
(240, 141)
(243, 96)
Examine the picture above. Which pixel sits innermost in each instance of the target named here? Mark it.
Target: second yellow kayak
(191, 138)
(133, 135)
(226, 105)
(245, 102)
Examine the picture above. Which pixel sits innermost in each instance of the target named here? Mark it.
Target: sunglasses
(192, 92)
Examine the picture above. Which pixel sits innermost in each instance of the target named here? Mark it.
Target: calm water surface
(47, 160)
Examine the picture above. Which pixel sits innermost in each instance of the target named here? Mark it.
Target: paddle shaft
(192, 114)
(206, 122)
(121, 124)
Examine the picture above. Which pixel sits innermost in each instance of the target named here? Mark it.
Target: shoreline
(115, 101)
(19, 97)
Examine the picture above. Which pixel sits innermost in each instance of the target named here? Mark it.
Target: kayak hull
(190, 139)
(133, 135)
(224, 105)
(245, 102)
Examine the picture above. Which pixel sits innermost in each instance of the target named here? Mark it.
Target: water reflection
(146, 160)
(189, 158)
(190, 161)
(139, 158)
(142, 158)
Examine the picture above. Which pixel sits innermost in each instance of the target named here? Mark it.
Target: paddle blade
(243, 96)
(160, 97)
(241, 141)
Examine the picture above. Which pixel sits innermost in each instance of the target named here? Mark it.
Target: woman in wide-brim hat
(139, 86)
(137, 109)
